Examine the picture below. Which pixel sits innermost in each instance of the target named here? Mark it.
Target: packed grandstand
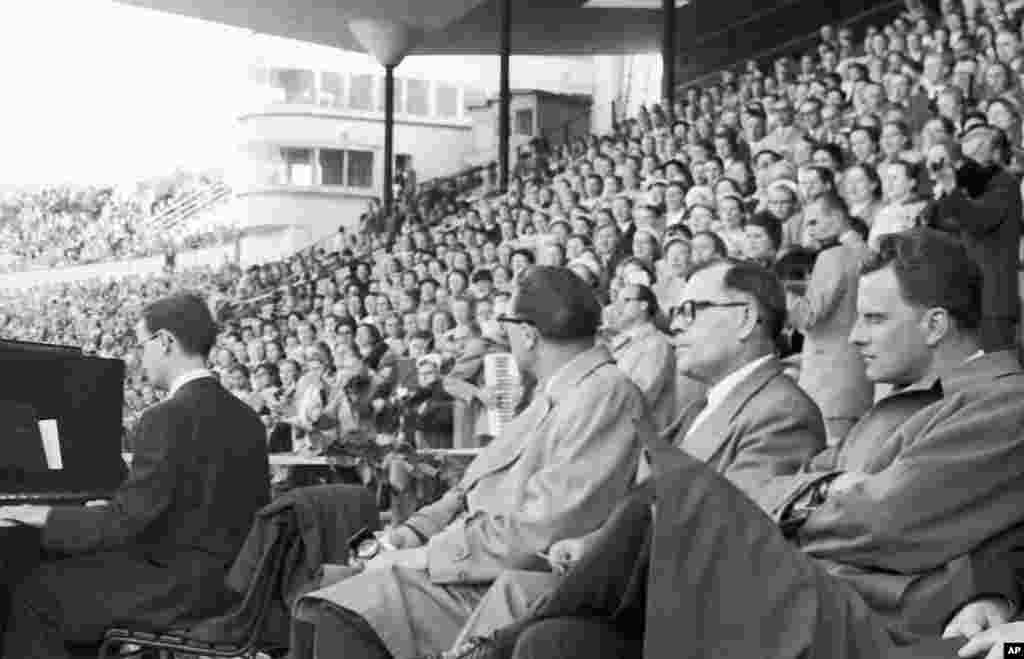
(726, 169)
(56, 226)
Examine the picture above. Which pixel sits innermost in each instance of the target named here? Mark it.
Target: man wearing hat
(556, 472)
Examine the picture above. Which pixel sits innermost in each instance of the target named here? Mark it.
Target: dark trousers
(575, 637)
(63, 608)
(22, 553)
(39, 626)
(35, 631)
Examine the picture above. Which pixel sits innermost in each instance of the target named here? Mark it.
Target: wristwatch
(820, 493)
(367, 549)
(797, 513)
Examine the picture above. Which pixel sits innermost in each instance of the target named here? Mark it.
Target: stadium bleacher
(738, 137)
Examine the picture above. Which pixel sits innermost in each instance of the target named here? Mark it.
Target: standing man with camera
(979, 201)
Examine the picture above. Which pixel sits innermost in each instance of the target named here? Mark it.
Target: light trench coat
(557, 471)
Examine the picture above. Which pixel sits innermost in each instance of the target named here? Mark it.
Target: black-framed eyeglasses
(515, 320)
(150, 338)
(688, 310)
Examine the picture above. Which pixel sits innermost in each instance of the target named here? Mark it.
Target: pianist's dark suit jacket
(199, 474)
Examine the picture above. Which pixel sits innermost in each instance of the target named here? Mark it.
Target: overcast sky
(94, 91)
(98, 92)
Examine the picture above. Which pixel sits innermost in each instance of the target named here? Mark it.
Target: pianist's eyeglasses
(151, 337)
(514, 320)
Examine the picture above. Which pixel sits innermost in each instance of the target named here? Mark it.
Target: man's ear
(751, 318)
(937, 324)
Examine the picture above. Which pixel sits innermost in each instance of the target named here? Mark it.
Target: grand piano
(76, 403)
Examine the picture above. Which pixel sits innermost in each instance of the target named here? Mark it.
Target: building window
(332, 167)
(360, 169)
(360, 93)
(297, 166)
(447, 101)
(417, 97)
(474, 97)
(297, 86)
(331, 91)
(524, 122)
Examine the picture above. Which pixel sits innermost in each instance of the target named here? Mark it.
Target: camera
(364, 545)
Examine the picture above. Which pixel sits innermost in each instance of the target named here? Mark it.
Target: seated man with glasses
(557, 471)
(754, 425)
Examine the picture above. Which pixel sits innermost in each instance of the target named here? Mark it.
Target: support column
(668, 51)
(608, 89)
(389, 138)
(504, 95)
(388, 41)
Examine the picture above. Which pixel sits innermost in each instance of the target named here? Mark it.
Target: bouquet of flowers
(404, 478)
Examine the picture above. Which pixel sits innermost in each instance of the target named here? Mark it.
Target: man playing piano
(158, 551)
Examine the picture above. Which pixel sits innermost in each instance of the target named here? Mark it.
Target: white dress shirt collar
(977, 355)
(720, 391)
(188, 376)
(725, 386)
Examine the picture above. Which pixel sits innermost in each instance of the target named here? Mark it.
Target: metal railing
(190, 205)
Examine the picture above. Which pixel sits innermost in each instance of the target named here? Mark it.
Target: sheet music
(51, 443)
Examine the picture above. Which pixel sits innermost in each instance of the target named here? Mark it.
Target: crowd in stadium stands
(802, 169)
(840, 145)
(67, 225)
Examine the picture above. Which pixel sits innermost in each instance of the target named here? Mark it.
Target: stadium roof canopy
(711, 33)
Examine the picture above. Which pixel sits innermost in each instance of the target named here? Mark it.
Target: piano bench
(170, 645)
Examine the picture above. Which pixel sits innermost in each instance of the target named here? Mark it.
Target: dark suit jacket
(323, 519)
(592, 590)
(199, 474)
(765, 427)
(724, 582)
(990, 226)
